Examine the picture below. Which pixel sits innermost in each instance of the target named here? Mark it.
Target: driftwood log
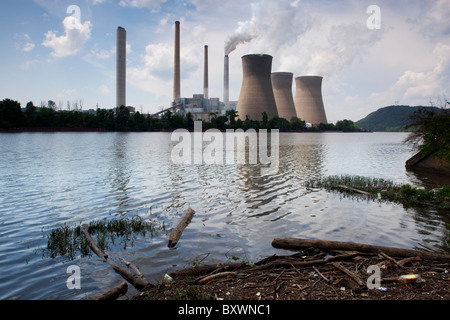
(136, 281)
(178, 231)
(300, 244)
(98, 252)
(115, 292)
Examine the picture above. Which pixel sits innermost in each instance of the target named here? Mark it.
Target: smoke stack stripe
(121, 59)
(282, 90)
(308, 100)
(226, 80)
(205, 75)
(256, 94)
(177, 72)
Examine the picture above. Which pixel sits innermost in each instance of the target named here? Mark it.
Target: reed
(382, 189)
(68, 241)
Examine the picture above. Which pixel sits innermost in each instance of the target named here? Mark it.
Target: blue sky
(406, 61)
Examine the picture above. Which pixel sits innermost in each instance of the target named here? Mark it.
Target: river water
(48, 180)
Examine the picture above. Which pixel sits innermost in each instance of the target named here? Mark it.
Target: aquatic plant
(68, 241)
(382, 189)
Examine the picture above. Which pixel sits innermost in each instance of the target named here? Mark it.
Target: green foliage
(391, 118)
(432, 132)
(382, 189)
(120, 119)
(11, 115)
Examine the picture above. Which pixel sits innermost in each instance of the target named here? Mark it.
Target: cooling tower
(205, 75)
(121, 60)
(308, 100)
(256, 94)
(176, 75)
(226, 80)
(282, 90)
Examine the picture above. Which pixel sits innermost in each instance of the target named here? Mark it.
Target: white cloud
(72, 42)
(141, 3)
(23, 42)
(417, 87)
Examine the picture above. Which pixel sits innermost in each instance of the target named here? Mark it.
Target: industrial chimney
(205, 75)
(121, 60)
(176, 77)
(226, 80)
(256, 94)
(282, 90)
(308, 100)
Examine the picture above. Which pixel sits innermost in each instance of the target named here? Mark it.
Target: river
(49, 180)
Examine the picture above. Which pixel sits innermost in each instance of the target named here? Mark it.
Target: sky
(371, 54)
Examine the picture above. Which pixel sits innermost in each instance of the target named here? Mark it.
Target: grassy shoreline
(383, 189)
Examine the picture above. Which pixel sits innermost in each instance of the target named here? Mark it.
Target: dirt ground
(307, 275)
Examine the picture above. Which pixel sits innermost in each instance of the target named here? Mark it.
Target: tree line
(13, 116)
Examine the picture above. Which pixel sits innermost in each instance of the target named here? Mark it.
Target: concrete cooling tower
(282, 90)
(308, 100)
(256, 94)
(121, 61)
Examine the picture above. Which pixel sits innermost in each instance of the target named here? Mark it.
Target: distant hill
(392, 118)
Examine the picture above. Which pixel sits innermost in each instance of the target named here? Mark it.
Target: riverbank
(310, 274)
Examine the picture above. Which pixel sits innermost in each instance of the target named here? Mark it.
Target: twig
(352, 275)
(320, 274)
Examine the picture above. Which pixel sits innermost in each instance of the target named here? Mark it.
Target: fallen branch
(299, 244)
(292, 264)
(115, 292)
(391, 259)
(205, 280)
(133, 267)
(207, 269)
(137, 282)
(352, 275)
(98, 252)
(178, 231)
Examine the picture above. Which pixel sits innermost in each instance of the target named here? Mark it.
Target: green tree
(10, 114)
(432, 132)
(297, 124)
(123, 119)
(30, 114)
(232, 115)
(346, 125)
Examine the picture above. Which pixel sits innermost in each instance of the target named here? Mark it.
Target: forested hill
(392, 118)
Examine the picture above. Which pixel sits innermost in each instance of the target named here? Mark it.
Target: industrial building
(256, 94)
(121, 68)
(282, 90)
(201, 106)
(261, 90)
(308, 100)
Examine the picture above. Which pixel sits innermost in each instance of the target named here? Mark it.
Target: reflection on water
(48, 180)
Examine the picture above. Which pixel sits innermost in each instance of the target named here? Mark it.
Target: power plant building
(121, 68)
(308, 100)
(282, 90)
(256, 94)
(201, 106)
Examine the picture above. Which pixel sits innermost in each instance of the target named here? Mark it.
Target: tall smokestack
(176, 78)
(256, 94)
(282, 90)
(226, 80)
(205, 75)
(308, 100)
(121, 60)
